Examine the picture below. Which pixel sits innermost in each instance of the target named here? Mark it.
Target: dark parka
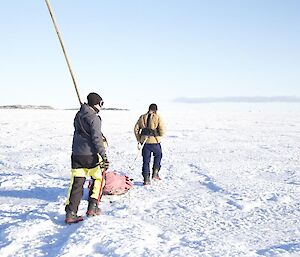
(87, 139)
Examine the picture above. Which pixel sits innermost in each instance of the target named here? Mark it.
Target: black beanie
(93, 99)
(153, 107)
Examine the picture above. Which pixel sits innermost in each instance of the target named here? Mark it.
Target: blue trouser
(148, 149)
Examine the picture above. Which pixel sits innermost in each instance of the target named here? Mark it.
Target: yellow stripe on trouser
(95, 173)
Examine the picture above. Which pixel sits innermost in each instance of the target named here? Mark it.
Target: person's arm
(97, 137)
(161, 127)
(137, 129)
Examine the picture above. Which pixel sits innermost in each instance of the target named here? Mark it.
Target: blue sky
(149, 51)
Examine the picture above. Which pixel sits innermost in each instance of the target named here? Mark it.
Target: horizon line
(246, 99)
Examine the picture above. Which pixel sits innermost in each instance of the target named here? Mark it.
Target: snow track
(231, 186)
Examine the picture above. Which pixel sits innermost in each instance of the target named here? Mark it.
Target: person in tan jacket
(148, 131)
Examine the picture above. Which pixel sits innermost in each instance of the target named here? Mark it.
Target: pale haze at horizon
(148, 51)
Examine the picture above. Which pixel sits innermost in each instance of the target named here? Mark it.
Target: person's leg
(75, 194)
(95, 191)
(157, 153)
(75, 191)
(91, 187)
(146, 152)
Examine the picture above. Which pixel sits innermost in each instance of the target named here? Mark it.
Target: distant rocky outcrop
(115, 109)
(104, 109)
(47, 107)
(37, 107)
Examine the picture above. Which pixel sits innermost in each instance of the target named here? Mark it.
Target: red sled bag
(116, 184)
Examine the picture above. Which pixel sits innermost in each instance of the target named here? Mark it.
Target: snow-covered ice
(231, 185)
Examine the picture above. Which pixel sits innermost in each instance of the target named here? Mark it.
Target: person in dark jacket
(88, 159)
(148, 131)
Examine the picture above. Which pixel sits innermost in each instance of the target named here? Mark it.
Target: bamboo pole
(63, 48)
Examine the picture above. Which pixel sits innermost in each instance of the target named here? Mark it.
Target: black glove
(104, 164)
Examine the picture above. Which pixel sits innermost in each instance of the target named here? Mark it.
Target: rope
(131, 166)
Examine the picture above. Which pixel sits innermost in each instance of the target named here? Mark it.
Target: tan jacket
(155, 123)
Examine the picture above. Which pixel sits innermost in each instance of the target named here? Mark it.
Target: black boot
(155, 174)
(93, 209)
(146, 179)
(71, 216)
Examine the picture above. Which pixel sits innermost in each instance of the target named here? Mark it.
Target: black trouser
(76, 193)
(147, 151)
